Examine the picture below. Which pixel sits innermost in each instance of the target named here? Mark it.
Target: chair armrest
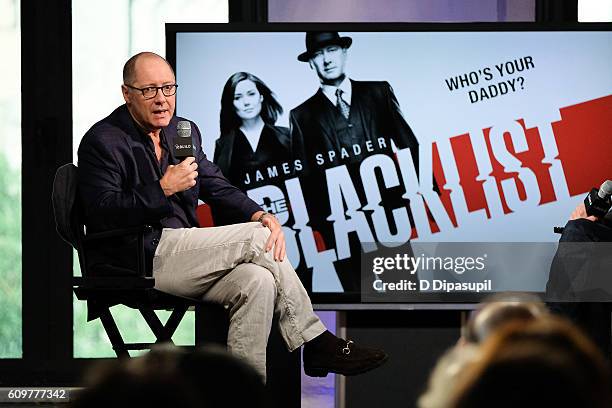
(117, 233)
(137, 231)
(113, 282)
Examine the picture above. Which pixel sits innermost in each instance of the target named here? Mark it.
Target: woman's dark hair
(270, 108)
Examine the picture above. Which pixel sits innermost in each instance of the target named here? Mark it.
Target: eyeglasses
(150, 92)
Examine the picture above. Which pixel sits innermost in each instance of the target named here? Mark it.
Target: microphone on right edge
(598, 202)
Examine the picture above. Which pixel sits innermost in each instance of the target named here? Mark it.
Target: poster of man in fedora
(344, 122)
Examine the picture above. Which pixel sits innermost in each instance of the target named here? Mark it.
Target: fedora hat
(318, 39)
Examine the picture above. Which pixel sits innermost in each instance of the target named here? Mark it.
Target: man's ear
(126, 93)
(310, 64)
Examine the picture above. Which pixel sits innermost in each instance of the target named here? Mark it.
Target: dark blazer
(225, 144)
(318, 127)
(119, 181)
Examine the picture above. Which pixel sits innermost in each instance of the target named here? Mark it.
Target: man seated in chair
(129, 176)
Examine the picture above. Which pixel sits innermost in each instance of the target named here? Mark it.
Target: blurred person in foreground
(538, 363)
(489, 317)
(500, 309)
(172, 377)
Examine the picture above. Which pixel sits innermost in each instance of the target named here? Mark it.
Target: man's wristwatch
(261, 217)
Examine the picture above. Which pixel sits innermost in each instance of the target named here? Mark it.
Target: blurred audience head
(168, 376)
(491, 315)
(445, 375)
(499, 310)
(535, 363)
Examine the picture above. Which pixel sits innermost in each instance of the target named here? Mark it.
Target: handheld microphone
(598, 203)
(183, 144)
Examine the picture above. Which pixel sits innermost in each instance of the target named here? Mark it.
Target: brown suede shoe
(344, 357)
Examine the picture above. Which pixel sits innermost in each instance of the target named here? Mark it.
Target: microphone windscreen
(183, 144)
(606, 189)
(183, 128)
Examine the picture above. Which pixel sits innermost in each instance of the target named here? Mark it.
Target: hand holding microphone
(182, 176)
(597, 203)
(580, 212)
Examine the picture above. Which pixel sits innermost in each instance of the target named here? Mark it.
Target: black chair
(105, 285)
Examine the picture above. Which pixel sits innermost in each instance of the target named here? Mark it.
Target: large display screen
(365, 139)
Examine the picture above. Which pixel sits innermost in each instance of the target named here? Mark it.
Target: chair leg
(163, 333)
(175, 319)
(113, 333)
(154, 323)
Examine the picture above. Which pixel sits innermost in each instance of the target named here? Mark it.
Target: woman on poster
(251, 150)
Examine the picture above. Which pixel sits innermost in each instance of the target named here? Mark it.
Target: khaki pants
(228, 265)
